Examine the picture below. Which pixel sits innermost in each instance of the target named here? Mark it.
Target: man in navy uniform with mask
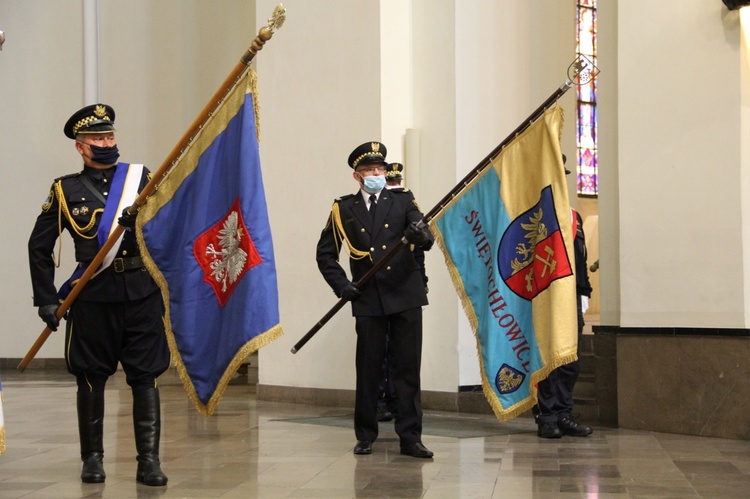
(372, 221)
(118, 316)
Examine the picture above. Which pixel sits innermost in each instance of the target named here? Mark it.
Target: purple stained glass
(587, 184)
(587, 157)
(587, 167)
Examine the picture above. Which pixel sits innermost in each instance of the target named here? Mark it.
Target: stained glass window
(587, 163)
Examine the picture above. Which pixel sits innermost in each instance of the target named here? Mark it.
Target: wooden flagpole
(265, 34)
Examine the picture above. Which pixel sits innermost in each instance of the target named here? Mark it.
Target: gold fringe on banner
(502, 413)
(213, 128)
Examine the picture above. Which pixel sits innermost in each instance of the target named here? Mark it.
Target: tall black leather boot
(90, 428)
(147, 424)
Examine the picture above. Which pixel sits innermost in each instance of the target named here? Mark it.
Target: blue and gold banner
(508, 244)
(205, 237)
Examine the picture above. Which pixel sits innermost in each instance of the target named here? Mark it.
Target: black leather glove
(415, 235)
(127, 220)
(48, 313)
(350, 292)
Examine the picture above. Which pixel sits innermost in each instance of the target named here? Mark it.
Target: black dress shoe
(363, 447)
(150, 473)
(417, 449)
(93, 469)
(384, 414)
(570, 426)
(549, 430)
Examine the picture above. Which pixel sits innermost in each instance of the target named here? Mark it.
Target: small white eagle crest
(228, 261)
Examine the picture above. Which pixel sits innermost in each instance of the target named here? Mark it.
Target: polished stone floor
(252, 448)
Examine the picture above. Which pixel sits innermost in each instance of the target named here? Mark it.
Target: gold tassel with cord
(339, 235)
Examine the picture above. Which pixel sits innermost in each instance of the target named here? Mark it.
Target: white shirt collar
(366, 196)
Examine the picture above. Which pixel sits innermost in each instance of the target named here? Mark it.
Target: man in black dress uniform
(372, 221)
(118, 315)
(387, 402)
(553, 412)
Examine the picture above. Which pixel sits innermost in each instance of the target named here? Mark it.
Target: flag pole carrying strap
(265, 34)
(580, 72)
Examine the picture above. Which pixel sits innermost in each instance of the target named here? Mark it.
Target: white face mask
(374, 184)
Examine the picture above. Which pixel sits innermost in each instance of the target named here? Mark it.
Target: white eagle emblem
(229, 260)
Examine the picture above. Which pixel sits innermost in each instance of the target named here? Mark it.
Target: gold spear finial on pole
(274, 22)
(277, 19)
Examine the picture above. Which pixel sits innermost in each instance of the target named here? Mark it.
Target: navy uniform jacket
(583, 285)
(396, 287)
(81, 220)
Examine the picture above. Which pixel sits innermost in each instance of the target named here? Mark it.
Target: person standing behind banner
(393, 178)
(118, 316)
(372, 221)
(387, 405)
(553, 412)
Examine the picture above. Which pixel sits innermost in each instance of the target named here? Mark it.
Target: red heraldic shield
(532, 252)
(225, 252)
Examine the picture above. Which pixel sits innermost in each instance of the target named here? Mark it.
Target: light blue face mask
(374, 184)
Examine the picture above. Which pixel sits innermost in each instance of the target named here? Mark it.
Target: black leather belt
(123, 264)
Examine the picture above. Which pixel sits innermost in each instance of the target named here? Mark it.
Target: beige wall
(41, 84)
(320, 97)
(671, 241)
(159, 64)
(681, 223)
(608, 152)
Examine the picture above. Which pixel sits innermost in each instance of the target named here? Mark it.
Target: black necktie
(373, 205)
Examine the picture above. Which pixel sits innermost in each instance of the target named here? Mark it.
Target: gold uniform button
(384, 246)
(372, 249)
(388, 267)
(124, 252)
(362, 229)
(386, 226)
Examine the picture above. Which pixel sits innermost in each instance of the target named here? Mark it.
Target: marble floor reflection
(252, 448)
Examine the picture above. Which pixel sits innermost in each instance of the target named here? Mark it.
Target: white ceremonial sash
(127, 195)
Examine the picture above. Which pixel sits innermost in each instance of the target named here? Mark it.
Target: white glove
(584, 303)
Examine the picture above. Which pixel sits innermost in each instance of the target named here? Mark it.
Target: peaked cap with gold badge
(367, 153)
(395, 171)
(96, 118)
